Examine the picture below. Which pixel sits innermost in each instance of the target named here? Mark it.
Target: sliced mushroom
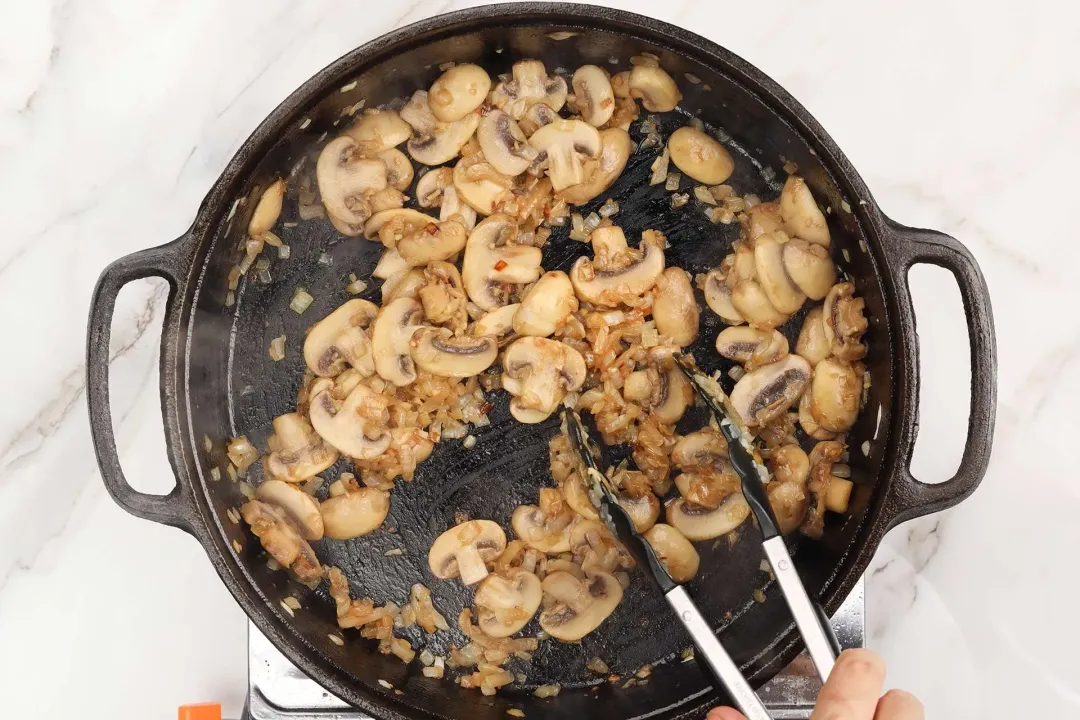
(452, 206)
(812, 344)
(718, 297)
(697, 523)
(268, 209)
(626, 112)
(440, 352)
(406, 284)
(479, 184)
(844, 322)
(298, 453)
(708, 489)
(672, 393)
(281, 539)
(741, 264)
(458, 91)
(299, 507)
(672, 548)
(675, 309)
(347, 418)
(751, 347)
(430, 186)
(835, 394)
(391, 225)
(763, 219)
(546, 305)
(751, 302)
(790, 464)
(390, 264)
(620, 84)
(434, 142)
(504, 144)
(536, 117)
(390, 336)
(702, 451)
(357, 510)
(530, 85)
(379, 130)
(567, 566)
(807, 421)
(539, 372)
(339, 340)
(789, 502)
(829, 492)
(493, 260)
(761, 395)
(655, 89)
(443, 296)
(504, 605)
(784, 295)
(577, 497)
(643, 510)
(347, 181)
(545, 528)
(594, 98)
(433, 243)
(638, 386)
(700, 156)
(568, 145)
(618, 274)
(578, 606)
(809, 266)
(399, 171)
(601, 172)
(498, 324)
(593, 544)
(802, 217)
(464, 551)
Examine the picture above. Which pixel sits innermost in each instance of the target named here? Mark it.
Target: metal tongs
(603, 496)
(810, 618)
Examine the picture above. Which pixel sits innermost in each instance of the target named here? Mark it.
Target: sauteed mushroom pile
(467, 310)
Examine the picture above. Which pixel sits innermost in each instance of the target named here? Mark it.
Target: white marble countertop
(115, 118)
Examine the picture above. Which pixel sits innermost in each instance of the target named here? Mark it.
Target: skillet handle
(167, 262)
(910, 247)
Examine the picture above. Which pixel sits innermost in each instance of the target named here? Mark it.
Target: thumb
(724, 713)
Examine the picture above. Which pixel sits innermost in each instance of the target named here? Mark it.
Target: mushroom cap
(390, 336)
(430, 186)
(346, 182)
(676, 552)
(844, 322)
(655, 89)
(580, 605)
(504, 144)
(454, 208)
(790, 464)
(536, 117)
(613, 277)
(504, 605)
(802, 217)
(492, 258)
(399, 169)
(302, 455)
(378, 130)
(763, 394)
(539, 372)
(809, 267)
(577, 497)
(440, 352)
(355, 513)
(567, 566)
(443, 296)
(601, 172)
(700, 156)
(620, 84)
(400, 220)
(426, 246)
(643, 510)
(835, 394)
(718, 297)
(751, 346)
(530, 85)
(301, 508)
(807, 421)
(529, 524)
(339, 340)
(703, 449)
(637, 387)
(434, 142)
(697, 523)
(789, 502)
(784, 295)
(458, 91)
(568, 143)
(752, 303)
(812, 344)
(763, 219)
(594, 98)
(405, 284)
(498, 323)
(480, 185)
(675, 308)
(268, 209)
(346, 424)
(482, 539)
(546, 305)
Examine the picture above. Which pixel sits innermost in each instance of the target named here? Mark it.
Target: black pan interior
(229, 359)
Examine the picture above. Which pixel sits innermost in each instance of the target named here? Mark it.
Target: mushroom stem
(471, 565)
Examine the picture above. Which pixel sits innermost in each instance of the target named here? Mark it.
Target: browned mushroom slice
(578, 607)
(594, 98)
(530, 85)
(350, 417)
(506, 603)
(443, 296)
(655, 89)
(700, 156)
(763, 394)
(347, 183)
(435, 142)
(568, 144)
(281, 540)
(458, 91)
(601, 172)
(763, 219)
(504, 144)
(464, 551)
(301, 509)
(339, 340)
(802, 217)
(829, 492)
(807, 421)
(268, 210)
(539, 372)
(672, 393)
(499, 324)
(698, 523)
(547, 527)
(788, 494)
(809, 267)
(835, 394)
(676, 552)
(379, 130)
(779, 288)
(390, 336)
(718, 297)
(546, 305)
(751, 347)
(844, 322)
(595, 548)
(751, 301)
(493, 260)
(297, 452)
(704, 449)
(618, 273)
(675, 309)
(812, 344)
(440, 352)
(354, 510)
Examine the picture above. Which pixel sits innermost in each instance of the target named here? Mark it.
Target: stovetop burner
(277, 690)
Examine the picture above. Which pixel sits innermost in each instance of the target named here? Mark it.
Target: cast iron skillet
(217, 379)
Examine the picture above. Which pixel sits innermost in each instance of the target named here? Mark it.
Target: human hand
(853, 692)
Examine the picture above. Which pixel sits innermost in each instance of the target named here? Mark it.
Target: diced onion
(609, 208)
(301, 301)
(672, 183)
(277, 348)
(215, 474)
(325, 259)
(547, 691)
(659, 168)
(702, 193)
(356, 287)
(284, 252)
(470, 442)
(679, 199)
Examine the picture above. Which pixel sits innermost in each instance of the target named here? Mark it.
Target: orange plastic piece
(202, 711)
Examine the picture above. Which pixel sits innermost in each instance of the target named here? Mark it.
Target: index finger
(853, 688)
